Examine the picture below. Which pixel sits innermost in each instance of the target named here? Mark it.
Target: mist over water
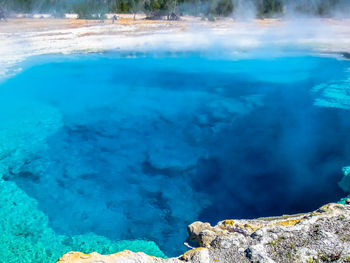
(140, 147)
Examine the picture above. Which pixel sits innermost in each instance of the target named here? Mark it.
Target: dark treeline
(262, 8)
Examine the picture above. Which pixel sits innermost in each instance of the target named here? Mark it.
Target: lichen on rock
(319, 236)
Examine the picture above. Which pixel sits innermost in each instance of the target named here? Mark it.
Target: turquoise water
(136, 148)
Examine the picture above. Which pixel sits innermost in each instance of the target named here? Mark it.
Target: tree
(171, 6)
(269, 8)
(91, 9)
(133, 7)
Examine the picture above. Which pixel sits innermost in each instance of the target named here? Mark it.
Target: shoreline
(22, 38)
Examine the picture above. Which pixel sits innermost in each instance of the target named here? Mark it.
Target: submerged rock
(319, 236)
(26, 236)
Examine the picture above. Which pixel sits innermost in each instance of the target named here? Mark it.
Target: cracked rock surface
(319, 236)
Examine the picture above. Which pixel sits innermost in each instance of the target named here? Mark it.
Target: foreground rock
(124, 256)
(320, 236)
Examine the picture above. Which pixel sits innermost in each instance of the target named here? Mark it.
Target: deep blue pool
(139, 147)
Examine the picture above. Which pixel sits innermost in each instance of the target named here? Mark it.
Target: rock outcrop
(319, 236)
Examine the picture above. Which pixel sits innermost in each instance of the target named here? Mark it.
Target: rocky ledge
(319, 236)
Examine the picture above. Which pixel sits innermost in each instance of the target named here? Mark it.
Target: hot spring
(136, 147)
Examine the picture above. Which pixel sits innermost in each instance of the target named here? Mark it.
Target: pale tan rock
(121, 257)
(201, 233)
(197, 255)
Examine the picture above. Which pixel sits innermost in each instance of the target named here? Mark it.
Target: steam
(238, 9)
(244, 10)
(251, 9)
(307, 8)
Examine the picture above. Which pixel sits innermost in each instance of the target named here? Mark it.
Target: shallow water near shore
(139, 147)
